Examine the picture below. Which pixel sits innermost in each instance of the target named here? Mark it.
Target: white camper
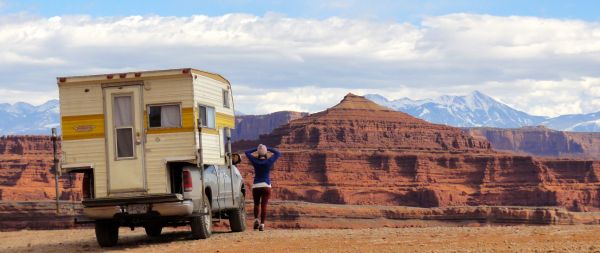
(153, 148)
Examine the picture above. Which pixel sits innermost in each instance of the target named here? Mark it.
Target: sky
(541, 57)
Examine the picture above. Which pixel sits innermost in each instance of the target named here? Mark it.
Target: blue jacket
(262, 167)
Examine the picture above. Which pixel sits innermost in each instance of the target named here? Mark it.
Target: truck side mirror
(236, 159)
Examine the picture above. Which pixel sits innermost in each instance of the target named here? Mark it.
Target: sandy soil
(434, 239)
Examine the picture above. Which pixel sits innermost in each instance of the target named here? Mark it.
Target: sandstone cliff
(26, 170)
(541, 141)
(250, 127)
(358, 152)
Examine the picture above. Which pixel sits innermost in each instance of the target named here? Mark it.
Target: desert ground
(580, 238)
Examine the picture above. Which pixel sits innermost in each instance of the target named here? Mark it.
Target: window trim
(226, 98)
(215, 115)
(114, 127)
(163, 104)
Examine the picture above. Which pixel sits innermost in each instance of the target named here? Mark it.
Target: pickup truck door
(224, 186)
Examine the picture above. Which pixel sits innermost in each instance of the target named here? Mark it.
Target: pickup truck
(191, 206)
(154, 148)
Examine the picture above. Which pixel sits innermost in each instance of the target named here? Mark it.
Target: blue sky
(383, 9)
(540, 57)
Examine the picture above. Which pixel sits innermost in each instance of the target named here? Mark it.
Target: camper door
(124, 141)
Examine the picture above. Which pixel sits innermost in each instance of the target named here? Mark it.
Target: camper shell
(152, 145)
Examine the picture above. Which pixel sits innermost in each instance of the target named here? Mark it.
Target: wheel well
(208, 193)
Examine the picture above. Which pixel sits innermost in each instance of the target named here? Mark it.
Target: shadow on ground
(126, 241)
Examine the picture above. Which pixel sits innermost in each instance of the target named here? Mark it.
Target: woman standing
(261, 188)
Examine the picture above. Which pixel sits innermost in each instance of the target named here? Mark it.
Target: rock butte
(358, 152)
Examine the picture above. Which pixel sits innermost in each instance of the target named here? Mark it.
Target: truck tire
(153, 230)
(202, 224)
(107, 233)
(237, 217)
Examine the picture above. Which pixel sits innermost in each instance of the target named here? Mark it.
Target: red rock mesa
(358, 152)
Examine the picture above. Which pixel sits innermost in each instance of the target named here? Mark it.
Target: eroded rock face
(26, 171)
(360, 153)
(541, 141)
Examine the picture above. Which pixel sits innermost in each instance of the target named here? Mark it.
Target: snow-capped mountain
(24, 118)
(473, 110)
(575, 122)
(478, 110)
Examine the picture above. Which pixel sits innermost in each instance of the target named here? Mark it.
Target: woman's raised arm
(276, 154)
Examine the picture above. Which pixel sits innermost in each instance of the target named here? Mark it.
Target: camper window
(226, 98)
(207, 116)
(123, 123)
(164, 116)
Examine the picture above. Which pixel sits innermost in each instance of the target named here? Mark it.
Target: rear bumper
(145, 199)
(158, 205)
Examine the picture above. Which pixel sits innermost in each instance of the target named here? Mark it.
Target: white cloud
(548, 98)
(33, 97)
(305, 99)
(542, 66)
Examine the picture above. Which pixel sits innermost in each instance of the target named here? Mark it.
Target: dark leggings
(261, 197)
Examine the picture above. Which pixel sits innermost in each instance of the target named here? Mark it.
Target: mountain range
(480, 110)
(24, 118)
(472, 110)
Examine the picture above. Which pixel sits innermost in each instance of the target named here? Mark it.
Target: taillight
(187, 181)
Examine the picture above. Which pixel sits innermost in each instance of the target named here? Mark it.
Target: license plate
(137, 209)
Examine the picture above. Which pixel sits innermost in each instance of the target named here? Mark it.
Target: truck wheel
(153, 230)
(202, 224)
(107, 233)
(237, 217)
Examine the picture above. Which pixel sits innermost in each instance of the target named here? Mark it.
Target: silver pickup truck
(191, 205)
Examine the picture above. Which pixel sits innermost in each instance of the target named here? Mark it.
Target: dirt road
(432, 239)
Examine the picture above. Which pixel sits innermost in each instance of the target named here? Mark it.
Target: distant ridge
(480, 110)
(475, 109)
(24, 118)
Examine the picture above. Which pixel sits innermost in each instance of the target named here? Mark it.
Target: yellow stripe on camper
(82, 127)
(224, 120)
(187, 123)
(206, 130)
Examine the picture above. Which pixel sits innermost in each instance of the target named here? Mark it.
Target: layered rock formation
(291, 214)
(26, 171)
(294, 214)
(250, 127)
(541, 141)
(358, 152)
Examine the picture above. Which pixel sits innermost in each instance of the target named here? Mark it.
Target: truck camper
(154, 150)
